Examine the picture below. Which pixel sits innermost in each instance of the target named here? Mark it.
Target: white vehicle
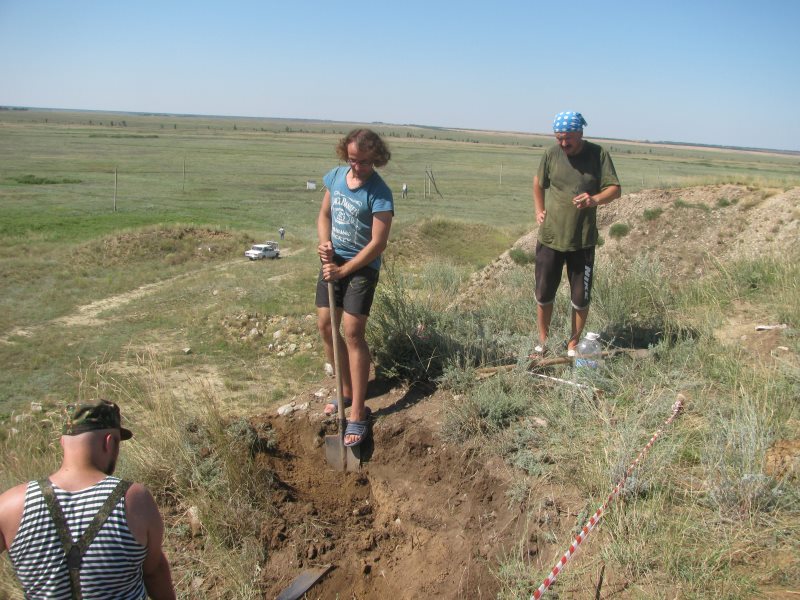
(265, 250)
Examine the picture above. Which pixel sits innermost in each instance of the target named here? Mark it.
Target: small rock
(287, 409)
(368, 543)
(215, 293)
(329, 370)
(36, 407)
(187, 350)
(277, 335)
(321, 393)
(194, 521)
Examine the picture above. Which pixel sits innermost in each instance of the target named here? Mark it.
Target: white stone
(194, 521)
(288, 409)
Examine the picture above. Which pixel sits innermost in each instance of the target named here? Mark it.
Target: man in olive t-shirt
(578, 176)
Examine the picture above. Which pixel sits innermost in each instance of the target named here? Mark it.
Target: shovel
(339, 456)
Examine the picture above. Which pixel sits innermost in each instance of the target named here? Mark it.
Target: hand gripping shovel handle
(337, 369)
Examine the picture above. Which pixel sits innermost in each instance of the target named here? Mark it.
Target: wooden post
(115, 189)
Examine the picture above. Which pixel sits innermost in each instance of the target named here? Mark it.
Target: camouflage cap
(94, 415)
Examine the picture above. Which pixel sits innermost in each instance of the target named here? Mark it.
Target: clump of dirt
(175, 245)
(783, 460)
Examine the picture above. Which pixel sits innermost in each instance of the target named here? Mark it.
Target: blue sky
(703, 71)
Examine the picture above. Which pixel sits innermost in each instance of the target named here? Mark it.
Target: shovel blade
(340, 461)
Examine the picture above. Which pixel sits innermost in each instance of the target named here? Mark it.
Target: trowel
(339, 456)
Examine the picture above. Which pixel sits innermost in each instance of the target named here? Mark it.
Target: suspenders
(74, 551)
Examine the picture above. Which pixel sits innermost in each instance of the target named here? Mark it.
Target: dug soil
(422, 519)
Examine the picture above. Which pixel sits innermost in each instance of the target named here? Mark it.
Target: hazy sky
(717, 72)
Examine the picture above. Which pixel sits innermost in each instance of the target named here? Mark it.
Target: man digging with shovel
(353, 228)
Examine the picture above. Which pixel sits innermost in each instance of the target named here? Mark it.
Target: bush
(681, 203)
(411, 341)
(34, 180)
(651, 214)
(619, 230)
(520, 257)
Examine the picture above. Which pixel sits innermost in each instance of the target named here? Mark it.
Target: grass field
(125, 289)
(84, 195)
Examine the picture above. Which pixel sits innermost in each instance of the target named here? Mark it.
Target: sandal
(335, 404)
(359, 428)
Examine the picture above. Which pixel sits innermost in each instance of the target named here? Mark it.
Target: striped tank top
(112, 565)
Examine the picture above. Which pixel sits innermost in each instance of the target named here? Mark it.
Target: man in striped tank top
(82, 533)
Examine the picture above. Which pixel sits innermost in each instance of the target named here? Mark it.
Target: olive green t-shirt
(563, 177)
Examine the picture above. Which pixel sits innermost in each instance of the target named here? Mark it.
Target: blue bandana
(568, 121)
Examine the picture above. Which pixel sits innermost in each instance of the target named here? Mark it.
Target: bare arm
(146, 524)
(324, 222)
(381, 225)
(12, 503)
(538, 200)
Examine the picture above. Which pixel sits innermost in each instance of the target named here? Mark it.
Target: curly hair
(366, 140)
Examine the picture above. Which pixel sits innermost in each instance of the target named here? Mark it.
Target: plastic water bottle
(588, 351)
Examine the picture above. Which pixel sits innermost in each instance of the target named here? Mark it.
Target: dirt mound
(684, 228)
(422, 518)
(688, 228)
(175, 245)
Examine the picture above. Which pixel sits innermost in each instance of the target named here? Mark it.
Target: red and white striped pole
(573, 548)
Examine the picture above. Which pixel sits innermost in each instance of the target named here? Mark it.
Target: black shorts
(354, 293)
(580, 272)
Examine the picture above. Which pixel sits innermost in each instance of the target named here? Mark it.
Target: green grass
(619, 230)
(681, 203)
(521, 257)
(735, 409)
(651, 214)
